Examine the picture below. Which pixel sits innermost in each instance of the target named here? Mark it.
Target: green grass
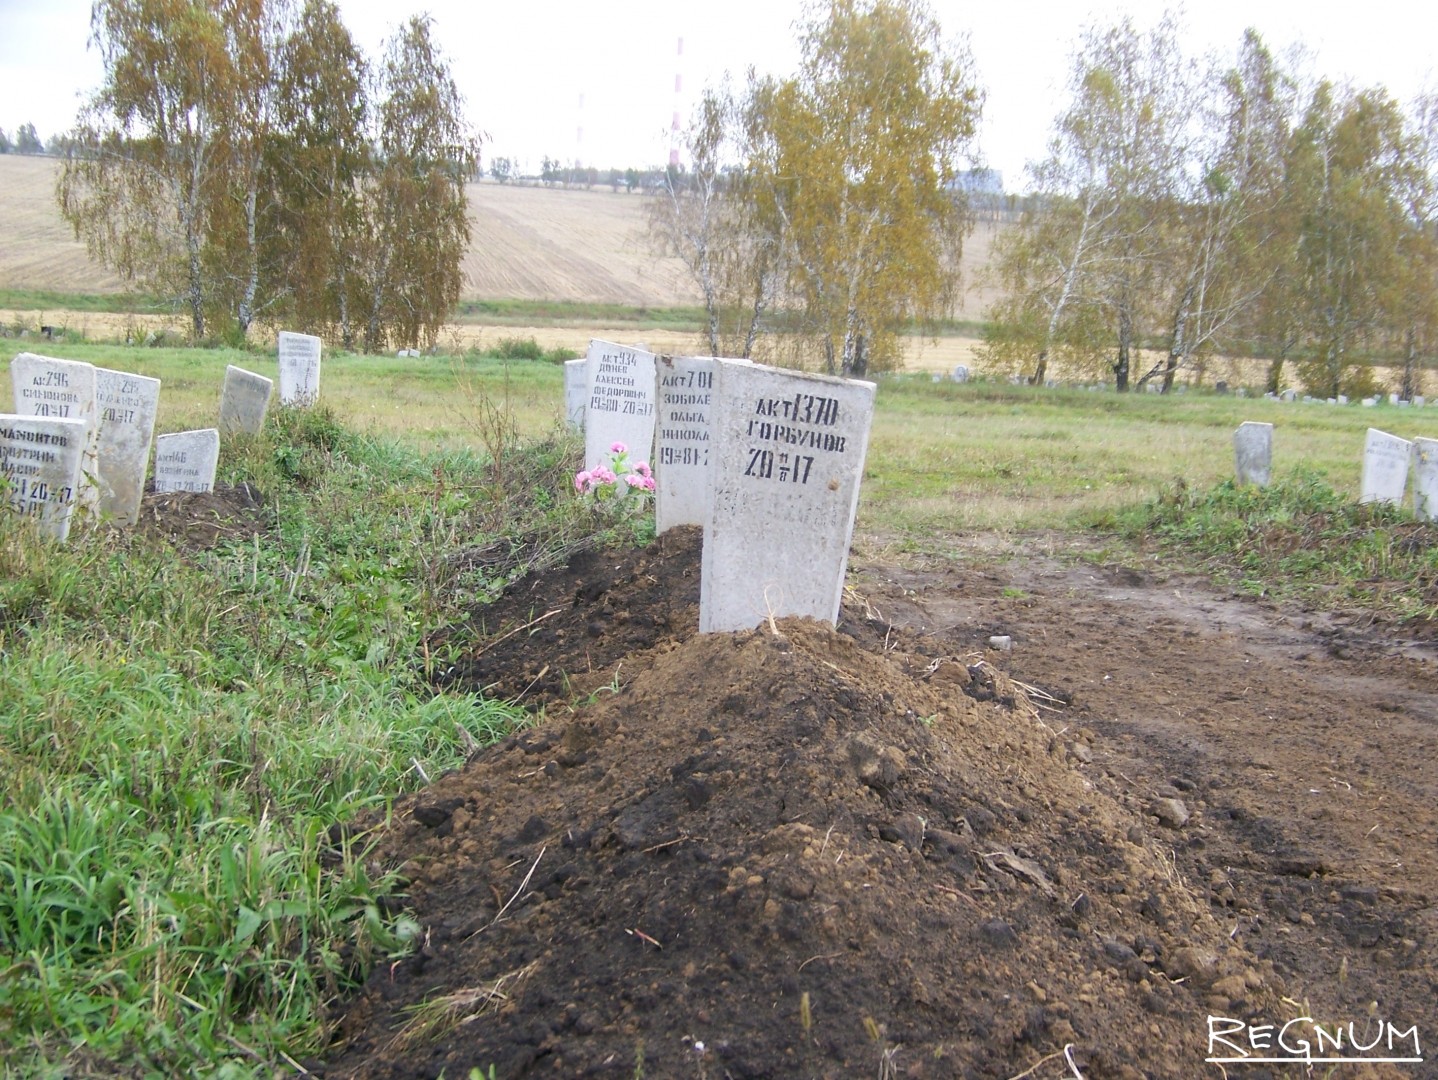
(183, 733)
(1297, 539)
(945, 459)
(41, 300)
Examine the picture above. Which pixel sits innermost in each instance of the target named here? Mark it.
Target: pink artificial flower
(619, 448)
(642, 468)
(602, 475)
(634, 480)
(581, 479)
(649, 483)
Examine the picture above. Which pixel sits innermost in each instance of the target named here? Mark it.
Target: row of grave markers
(1387, 460)
(768, 461)
(80, 436)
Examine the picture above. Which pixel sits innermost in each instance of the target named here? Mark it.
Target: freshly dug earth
(801, 851)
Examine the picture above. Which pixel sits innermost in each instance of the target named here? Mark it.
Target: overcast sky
(595, 82)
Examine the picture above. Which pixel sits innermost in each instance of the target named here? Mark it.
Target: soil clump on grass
(791, 851)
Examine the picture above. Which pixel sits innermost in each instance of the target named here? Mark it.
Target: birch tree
(859, 152)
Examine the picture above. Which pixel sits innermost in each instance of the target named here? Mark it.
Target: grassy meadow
(188, 735)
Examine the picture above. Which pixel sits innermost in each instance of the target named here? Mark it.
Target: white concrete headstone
(960, 373)
(40, 459)
(576, 391)
(128, 404)
(244, 401)
(1385, 467)
(299, 356)
(1425, 478)
(1253, 453)
(186, 460)
(620, 404)
(65, 389)
(786, 458)
(682, 444)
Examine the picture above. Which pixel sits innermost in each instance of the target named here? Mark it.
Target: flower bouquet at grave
(616, 486)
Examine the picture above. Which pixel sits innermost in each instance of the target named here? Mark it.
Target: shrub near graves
(185, 725)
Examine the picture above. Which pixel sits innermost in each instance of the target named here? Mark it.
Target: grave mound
(788, 851)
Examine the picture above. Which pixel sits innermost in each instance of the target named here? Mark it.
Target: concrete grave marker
(1425, 478)
(1253, 453)
(960, 373)
(1385, 467)
(681, 449)
(41, 459)
(186, 460)
(244, 401)
(299, 356)
(786, 458)
(576, 391)
(620, 406)
(128, 404)
(63, 389)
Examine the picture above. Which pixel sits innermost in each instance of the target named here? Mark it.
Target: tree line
(1233, 207)
(246, 160)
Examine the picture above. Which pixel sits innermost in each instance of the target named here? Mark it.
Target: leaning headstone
(41, 459)
(128, 404)
(1253, 453)
(1289, 396)
(1425, 478)
(299, 356)
(186, 460)
(64, 389)
(1385, 467)
(787, 456)
(244, 401)
(576, 391)
(620, 403)
(961, 373)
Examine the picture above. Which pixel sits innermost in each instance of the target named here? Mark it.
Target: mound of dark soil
(199, 520)
(793, 851)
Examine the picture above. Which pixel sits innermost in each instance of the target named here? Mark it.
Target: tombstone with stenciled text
(128, 404)
(63, 389)
(1425, 478)
(1253, 453)
(620, 405)
(244, 400)
(186, 460)
(41, 459)
(786, 457)
(682, 441)
(1385, 467)
(576, 391)
(299, 361)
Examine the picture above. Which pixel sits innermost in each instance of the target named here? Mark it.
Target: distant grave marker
(576, 391)
(186, 460)
(299, 356)
(786, 458)
(960, 373)
(41, 459)
(1385, 467)
(128, 404)
(620, 405)
(1425, 478)
(63, 389)
(244, 401)
(1253, 453)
